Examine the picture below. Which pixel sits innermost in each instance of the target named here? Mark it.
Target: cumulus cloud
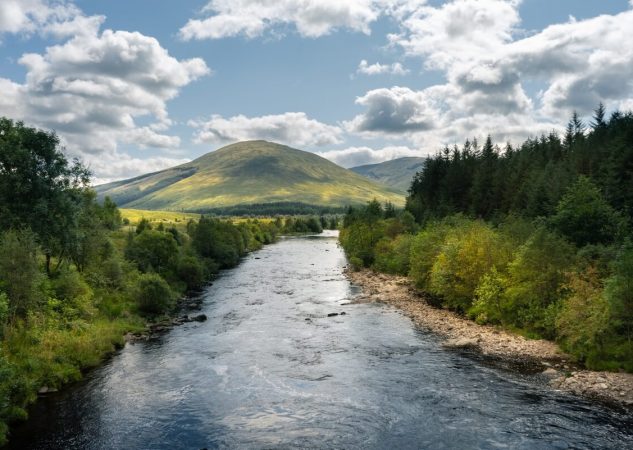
(365, 68)
(311, 18)
(358, 156)
(457, 31)
(93, 88)
(292, 128)
(394, 111)
(117, 166)
(60, 18)
(487, 62)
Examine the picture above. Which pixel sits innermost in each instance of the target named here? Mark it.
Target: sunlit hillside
(248, 173)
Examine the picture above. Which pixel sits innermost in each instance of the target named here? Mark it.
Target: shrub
(73, 292)
(152, 250)
(425, 247)
(153, 295)
(487, 306)
(191, 271)
(584, 317)
(359, 240)
(392, 255)
(535, 277)
(4, 312)
(469, 252)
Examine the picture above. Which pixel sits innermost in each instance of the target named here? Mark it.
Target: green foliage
(535, 277)
(302, 225)
(219, 241)
(359, 240)
(110, 215)
(4, 312)
(20, 276)
(191, 271)
(583, 323)
(392, 255)
(467, 254)
(533, 178)
(584, 216)
(153, 295)
(426, 245)
(619, 294)
(552, 259)
(12, 393)
(488, 304)
(153, 250)
(143, 225)
(39, 188)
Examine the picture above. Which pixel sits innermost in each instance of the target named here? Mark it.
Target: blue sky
(140, 85)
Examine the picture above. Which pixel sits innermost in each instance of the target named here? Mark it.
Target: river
(269, 369)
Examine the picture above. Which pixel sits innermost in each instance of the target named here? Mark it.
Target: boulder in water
(462, 342)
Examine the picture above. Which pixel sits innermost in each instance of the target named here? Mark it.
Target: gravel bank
(491, 342)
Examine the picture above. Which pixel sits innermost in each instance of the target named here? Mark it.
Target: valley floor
(494, 343)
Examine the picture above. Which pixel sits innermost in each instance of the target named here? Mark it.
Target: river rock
(550, 372)
(462, 342)
(332, 314)
(200, 318)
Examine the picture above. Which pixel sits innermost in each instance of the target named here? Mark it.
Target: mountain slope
(248, 173)
(396, 173)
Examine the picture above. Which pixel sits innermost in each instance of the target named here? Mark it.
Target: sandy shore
(491, 342)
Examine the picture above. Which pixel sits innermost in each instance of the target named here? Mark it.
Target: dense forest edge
(75, 275)
(536, 238)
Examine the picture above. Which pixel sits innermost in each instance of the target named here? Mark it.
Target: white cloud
(487, 63)
(358, 156)
(311, 18)
(396, 111)
(457, 31)
(93, 88)
(60, 18)
(117, 166)
(292, 128)
(381, 69)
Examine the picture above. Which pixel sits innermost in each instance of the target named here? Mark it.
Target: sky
(137, 86)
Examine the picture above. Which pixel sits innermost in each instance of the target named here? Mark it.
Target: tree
(584, 216)
(153, 250)
(153, 294)
(20, 275)
(39, 188)
(598, 117)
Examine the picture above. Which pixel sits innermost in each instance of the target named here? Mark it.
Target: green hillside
(245, 173)
(396, 173)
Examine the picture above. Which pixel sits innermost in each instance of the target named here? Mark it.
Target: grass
(249, 173)
(156, 217)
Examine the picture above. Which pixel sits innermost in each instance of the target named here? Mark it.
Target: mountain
(396, 173)
(246, 173)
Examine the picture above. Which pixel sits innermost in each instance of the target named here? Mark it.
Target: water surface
(258, 374)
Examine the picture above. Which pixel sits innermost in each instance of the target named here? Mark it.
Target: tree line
(534, 238)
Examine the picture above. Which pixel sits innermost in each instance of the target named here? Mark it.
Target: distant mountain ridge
(251, 172)
(397, 173)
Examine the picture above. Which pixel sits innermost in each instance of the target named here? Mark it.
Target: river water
(258, 374)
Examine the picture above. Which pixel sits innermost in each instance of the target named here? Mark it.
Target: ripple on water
(257, 374)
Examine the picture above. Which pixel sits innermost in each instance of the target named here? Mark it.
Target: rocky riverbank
(491, 342)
